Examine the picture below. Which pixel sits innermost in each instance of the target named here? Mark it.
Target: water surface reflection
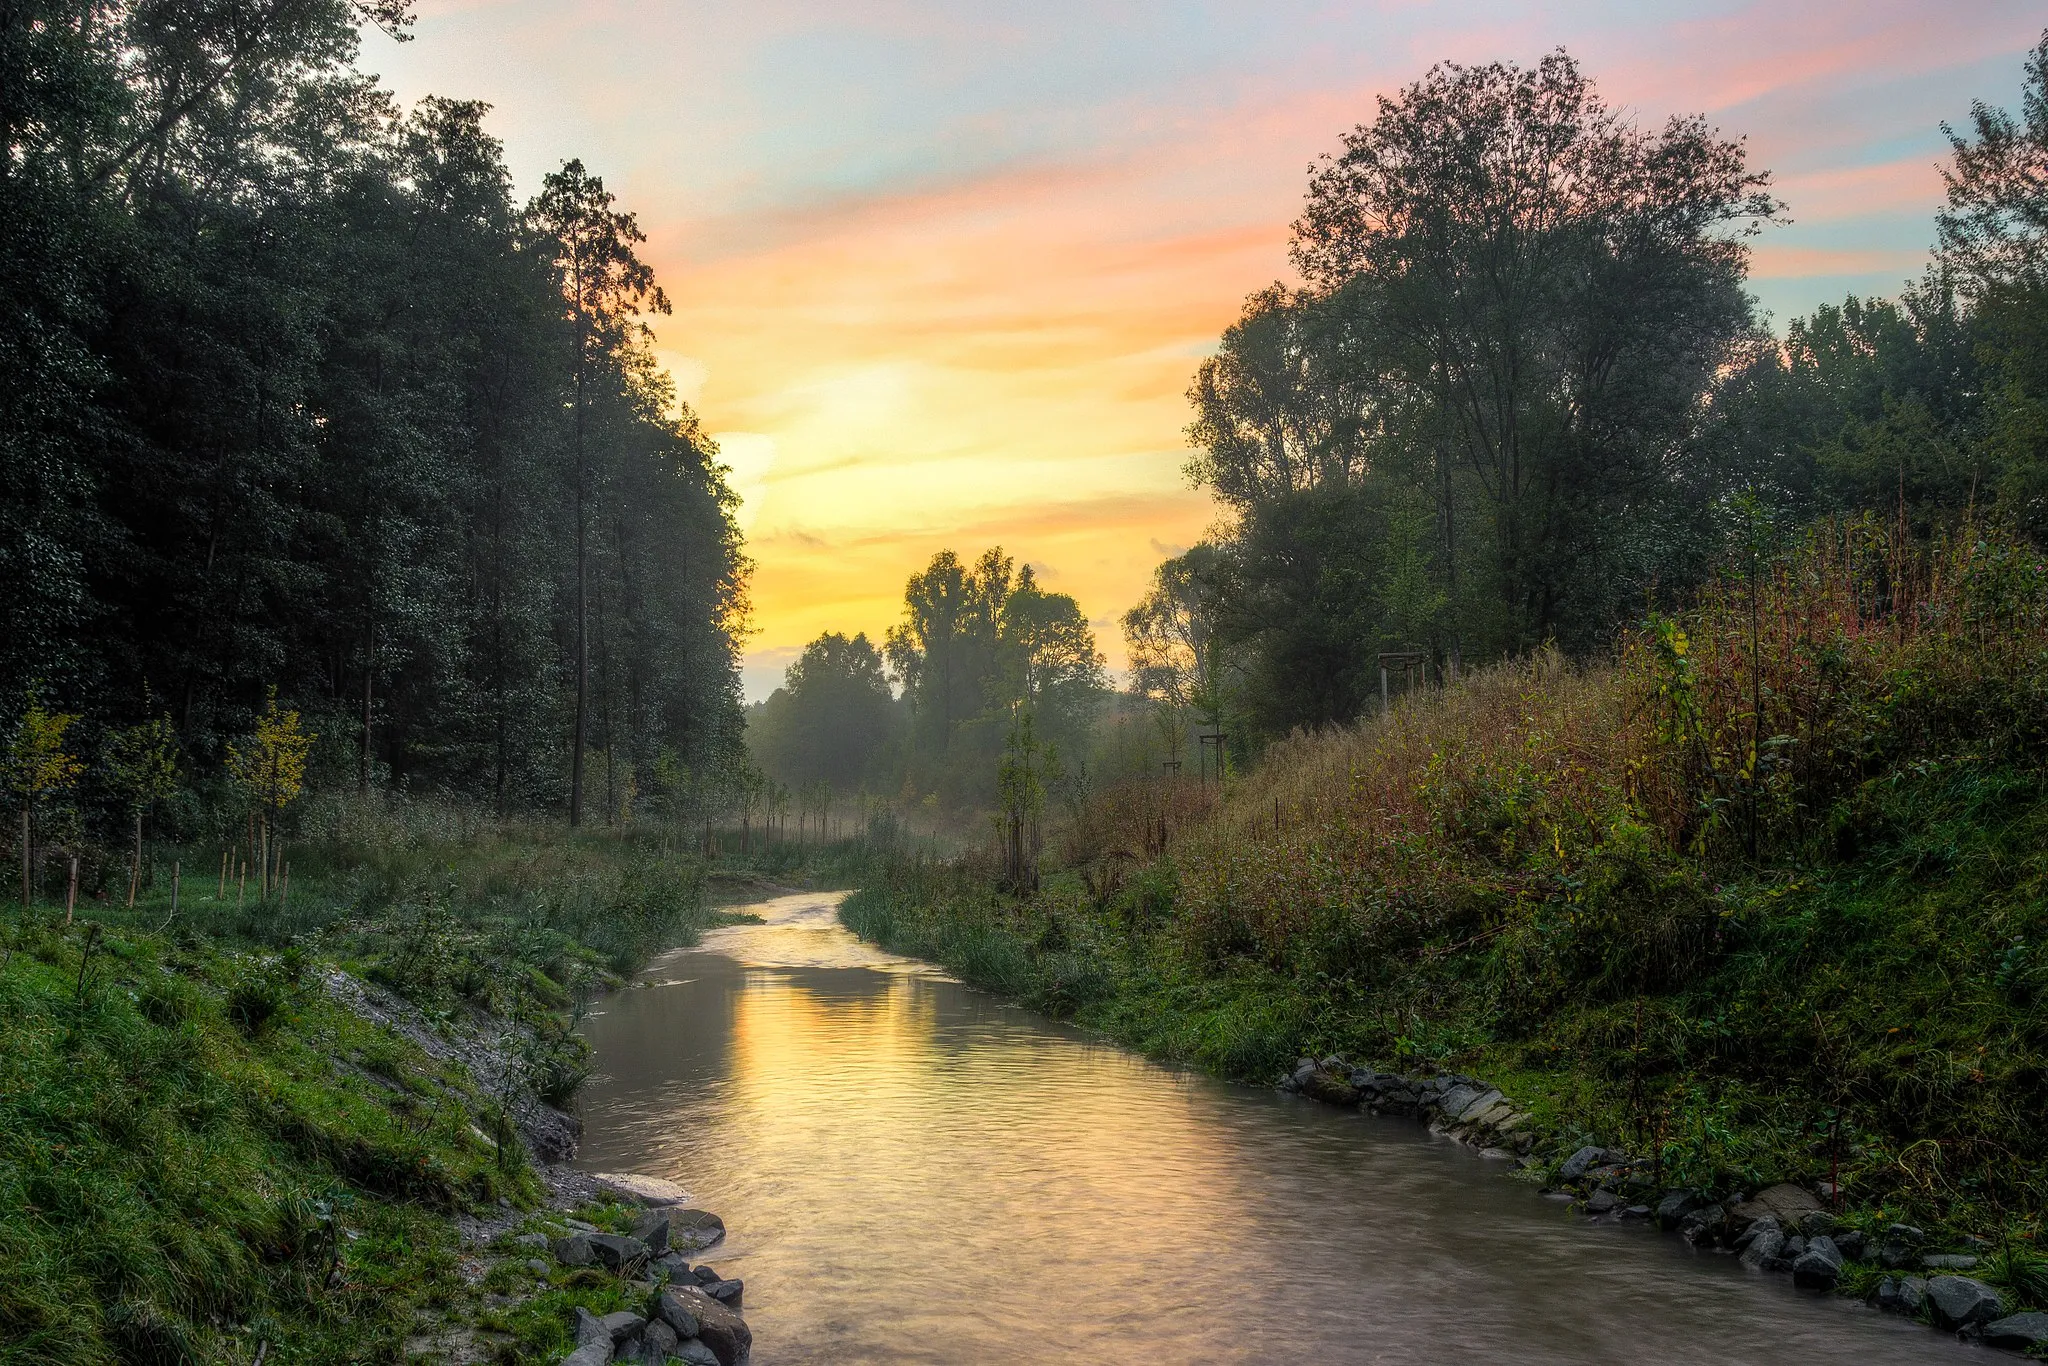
(914, 1172)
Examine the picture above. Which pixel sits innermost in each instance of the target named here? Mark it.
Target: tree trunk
(27, 865)
(582, 602)
(135, 865)
(369, 684)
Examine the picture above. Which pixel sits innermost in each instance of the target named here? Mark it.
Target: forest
(308, 415)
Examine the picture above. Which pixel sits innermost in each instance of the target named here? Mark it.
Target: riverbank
(284, 1129)
(1760, 902)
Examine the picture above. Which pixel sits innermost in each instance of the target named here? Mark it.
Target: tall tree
(606, 287)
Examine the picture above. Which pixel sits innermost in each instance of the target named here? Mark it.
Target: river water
(913, 1171)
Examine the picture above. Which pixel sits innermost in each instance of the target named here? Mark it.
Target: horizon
(839, 201)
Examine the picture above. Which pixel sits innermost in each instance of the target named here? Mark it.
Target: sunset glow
(942, 273)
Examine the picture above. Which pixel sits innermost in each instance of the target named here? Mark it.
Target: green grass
(1884, 1017)
(202, 1153)
(178, 1185)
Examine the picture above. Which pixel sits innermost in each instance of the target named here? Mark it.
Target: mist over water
(913, 1171)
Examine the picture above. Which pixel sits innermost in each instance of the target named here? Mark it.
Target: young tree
(270, 768)
(141, 764)
(39, 770)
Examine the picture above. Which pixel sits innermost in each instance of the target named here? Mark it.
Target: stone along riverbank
(1784, 1229)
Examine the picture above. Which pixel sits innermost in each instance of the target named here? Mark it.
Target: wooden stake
(176, 869)
(241, 882)
(24, 858)
(222, 893)
(284, 885)
(71, 896)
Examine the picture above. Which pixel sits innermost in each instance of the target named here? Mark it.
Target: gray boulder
(1601, 1202)
(1578, 1164)
(1675, 1206)
(1634, 1214)
(657, 1341)
(1767, 1224)
(690, 1230)
(1703, 1225)
(1303, 1070)
(1763, 1249)
(1331, 1086)
(590, 1354)
(589, 1328)
(1958, 1301)
(652, 1229)
(674, 1311)
(531, 1240)
(1816, 1221)
(695, 1353)
(1788, 1203)
(1852, 1242)
(622, 1324)
(1820, 1266)
(575, 1250)
(1951, 1261)
(727, 1293)
(616, 1253)
(720, 1328)
(1898, 1247)
(2020, 1330)
(537, 1267)
(1912, 1294)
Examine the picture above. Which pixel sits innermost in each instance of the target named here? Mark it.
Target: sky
(942, 271)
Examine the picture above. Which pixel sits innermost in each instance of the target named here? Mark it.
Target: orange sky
(942, 272)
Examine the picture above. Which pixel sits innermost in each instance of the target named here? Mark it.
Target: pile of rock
(691, 1314)
(1782, 1229)
(1464, 1107)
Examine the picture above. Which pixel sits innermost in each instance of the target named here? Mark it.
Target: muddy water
(913, 1171)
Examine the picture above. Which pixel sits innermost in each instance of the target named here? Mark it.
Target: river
(914, 1171)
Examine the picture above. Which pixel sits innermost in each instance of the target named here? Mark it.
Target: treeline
(301, 397)
(1522, 393)
(1001, 690)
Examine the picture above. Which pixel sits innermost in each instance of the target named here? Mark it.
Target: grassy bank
(1764, 896)
(205, 1156)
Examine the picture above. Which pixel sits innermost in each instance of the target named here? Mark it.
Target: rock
(1634, 1214)
(706, 1274)
(1949, 1261)
(1764, 1249)
(1788, 1202)
(1886, 1296)
(1899, 1247)
(641, 1190)
(615, 1253)
(1362, 1077)
(675, 1263)
(589, 1328)
(531, 1240)
(1303, 1070)
(622, 1324)
(1852, 1243)
(1497, 1154)
(1601, 1202)
(1471, 1110)
(2020, 1330)
(1577, 1164)
(722, 1330)
(674, 1311)
(1703, 1225)
(658, 1341)
(696, 1353)
(590, 1354)
(537, 1267)
(1331, 1087)
(1675, 1206)
(1767, 1224)
(1820, 1266)
(1958, 1301)
(652, 1229)
(692, 1229)
(575, 1250)
(1816, 1221)
(1795, 1245)
(1488, 1116)
(727, 1293)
